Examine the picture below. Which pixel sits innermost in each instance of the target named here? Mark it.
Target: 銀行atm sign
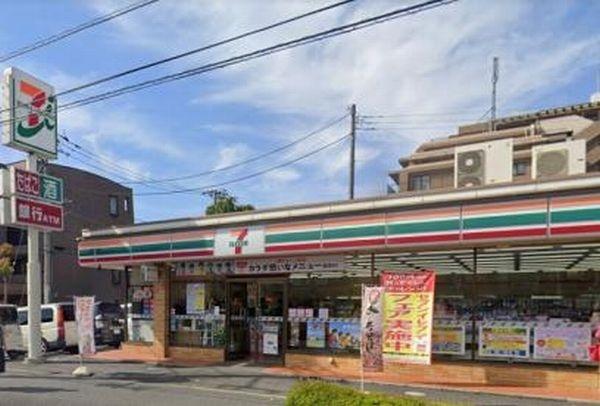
(36, 200)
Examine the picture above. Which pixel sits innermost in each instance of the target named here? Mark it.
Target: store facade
(518, 280)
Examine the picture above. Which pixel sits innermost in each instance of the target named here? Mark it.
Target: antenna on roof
(595, 98)
(495, 75)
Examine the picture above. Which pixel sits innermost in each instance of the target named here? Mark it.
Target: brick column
(161, 311)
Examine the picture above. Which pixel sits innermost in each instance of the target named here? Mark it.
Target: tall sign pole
(30, 125)
(352, 148)
(34, 283)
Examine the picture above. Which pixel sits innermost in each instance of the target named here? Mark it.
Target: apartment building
(90, 201)
(552, 143)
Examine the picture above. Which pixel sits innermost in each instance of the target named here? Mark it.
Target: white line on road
(228, 391)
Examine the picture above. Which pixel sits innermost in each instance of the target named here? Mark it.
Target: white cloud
(435, 62)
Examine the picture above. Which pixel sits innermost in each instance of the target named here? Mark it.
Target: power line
(252, 175)
(308, 39)
(201, 49)
(74, 30)
(254, 158)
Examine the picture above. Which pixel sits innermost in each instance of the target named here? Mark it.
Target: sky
(424, 74)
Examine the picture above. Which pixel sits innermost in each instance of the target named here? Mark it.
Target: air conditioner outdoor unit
(558, 160)
(483, 164)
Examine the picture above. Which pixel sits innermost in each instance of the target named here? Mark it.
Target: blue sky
(431, 70)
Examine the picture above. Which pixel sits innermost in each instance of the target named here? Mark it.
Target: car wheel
(44, 346)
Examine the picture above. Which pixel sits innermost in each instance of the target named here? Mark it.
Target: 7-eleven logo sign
(240, 241)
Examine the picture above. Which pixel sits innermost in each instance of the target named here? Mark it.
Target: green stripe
(354, 232)
(525, 219)
(87, 253)
(567, 216)
(112, 250)
(293, 237)
(187, 245)
(424, 227)
(163, 246)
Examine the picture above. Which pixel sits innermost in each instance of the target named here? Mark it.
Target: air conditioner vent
(553, 163)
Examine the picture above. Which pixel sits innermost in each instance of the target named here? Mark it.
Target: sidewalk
(579, 395)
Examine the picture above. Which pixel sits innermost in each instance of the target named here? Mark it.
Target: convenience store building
(283, 286)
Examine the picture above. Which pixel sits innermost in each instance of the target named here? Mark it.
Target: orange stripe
(349, 221)
(423, 214)
(190, 235)
(505, 207)
(306, 225)
(29, 89)
(569, 201)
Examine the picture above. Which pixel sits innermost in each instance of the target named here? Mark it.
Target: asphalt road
(51, 384)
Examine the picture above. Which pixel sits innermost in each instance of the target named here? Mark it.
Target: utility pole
(494, 82)
(34, 284)
(352, 148)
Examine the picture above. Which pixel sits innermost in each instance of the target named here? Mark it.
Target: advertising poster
(343, 335)
(372, 328)
(448, 339)
(84, 316)
(504, 341)
(567, 343)
(294, 340)
(195, 298)
(408, 316)
(270, 339)
(315, 334)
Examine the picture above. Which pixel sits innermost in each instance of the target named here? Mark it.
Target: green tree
(225, 203)
(7, 256)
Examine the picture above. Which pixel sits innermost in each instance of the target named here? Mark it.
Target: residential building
(432, 165)
(90, 201)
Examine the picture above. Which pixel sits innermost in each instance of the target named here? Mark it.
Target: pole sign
(27, 212)
(38, 186)
(36, 200)
(29, 114)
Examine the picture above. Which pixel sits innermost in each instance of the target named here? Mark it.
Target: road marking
(229, 391)
(415, 394)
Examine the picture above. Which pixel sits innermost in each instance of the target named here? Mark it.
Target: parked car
(13, 342)
(59, 329)
(109, 322)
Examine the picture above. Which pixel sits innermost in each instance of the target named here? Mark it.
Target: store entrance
(257, 322)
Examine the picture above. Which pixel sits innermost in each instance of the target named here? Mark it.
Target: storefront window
(140, 320)
(324, 314)
(197, 313)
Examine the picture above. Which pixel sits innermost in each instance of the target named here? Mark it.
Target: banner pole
(362, 364)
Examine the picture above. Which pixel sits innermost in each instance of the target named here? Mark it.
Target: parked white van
(10, 327)
(59, 329)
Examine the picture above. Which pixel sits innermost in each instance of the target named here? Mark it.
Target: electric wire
(252, 175)
(74, 30)
(308, 39)
(201, 49)
(252, 159)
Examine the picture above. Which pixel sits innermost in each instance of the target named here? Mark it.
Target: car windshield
(109, 309)
(8, 315)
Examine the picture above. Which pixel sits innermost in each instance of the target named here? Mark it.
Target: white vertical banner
(84, 315)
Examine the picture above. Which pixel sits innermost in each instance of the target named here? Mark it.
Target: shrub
(318, 393)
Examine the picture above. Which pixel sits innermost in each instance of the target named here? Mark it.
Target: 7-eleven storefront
(517, 291)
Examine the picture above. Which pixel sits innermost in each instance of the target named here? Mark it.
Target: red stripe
(588, 228)
(354, 243)
(294, 247)
(201, 253)
(481, 235)
(423, 238)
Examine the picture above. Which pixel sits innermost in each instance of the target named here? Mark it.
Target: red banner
(33, 213)
(408, 316)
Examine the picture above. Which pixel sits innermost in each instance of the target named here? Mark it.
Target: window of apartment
(126, 205)
(420, 182)
(113, 205)
(519, 168)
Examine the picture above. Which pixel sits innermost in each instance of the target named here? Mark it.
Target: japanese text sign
(408, 316)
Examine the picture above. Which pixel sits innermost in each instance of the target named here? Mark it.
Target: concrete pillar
(161, 311)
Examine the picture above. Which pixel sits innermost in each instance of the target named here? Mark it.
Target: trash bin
(2, 352)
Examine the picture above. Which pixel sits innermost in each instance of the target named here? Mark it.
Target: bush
(317, 393)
